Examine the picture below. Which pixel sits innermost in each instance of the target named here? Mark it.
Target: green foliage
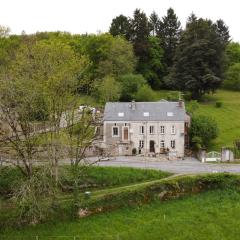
(203, 127)
(120, 26)
(108, 56)
(156, 221)
(199, 60)
(31, 197)
(169, 34)
(109, 90)
(139, 37)
(130, 84)
(101, 177)
(192, 106)
(134, 151)
(219, 104)
(154, 23)
(232, 81)
(153, 68)
(9, 177)
(233, 53)
(145, 94)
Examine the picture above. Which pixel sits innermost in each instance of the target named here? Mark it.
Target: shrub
(192, 106)
(205, 128)
(232, 81)
(9, 177)
(145, 93)
(134, 151)
(130, 84)
(172, 96)
(219, 104)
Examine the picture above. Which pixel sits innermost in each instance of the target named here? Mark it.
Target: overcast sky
(81, 16)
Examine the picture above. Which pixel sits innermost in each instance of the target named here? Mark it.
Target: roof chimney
(133, 105)
(180, 103)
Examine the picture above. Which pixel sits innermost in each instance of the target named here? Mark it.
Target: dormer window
(170, 114)
(146, 114)
(121, 114)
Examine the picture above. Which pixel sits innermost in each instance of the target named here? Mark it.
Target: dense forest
(138, 55)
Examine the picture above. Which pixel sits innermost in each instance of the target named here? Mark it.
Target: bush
(130, 84)
(172, 96)
(204, 128)
(145, 93)
(192, 106)
(9, 177)
(134, 151)
(232, 81)
(219, 104)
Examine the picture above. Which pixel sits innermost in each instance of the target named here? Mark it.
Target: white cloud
(78, 16)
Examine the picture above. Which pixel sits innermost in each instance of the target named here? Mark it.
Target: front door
(152, 146)
(125, 134)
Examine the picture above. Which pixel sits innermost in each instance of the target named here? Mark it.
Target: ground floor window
(173, 144)
(115, 132)
(162, 144)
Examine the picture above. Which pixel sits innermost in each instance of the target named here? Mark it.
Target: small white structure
(212, 157)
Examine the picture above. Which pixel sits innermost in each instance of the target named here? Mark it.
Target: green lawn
(210, 215)
(227, 117)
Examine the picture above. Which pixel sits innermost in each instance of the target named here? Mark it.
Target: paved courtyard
(188, 165)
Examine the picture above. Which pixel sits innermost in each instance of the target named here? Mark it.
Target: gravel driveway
(188, 165)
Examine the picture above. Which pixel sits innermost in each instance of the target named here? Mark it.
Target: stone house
(146, 128)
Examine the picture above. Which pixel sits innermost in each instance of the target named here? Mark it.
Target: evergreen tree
(223, 32)
(120, 26)
(154, 23)
(199, 58)
(169, 33)
(139, 37)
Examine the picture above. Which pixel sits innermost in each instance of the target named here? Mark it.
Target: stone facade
(163, 137)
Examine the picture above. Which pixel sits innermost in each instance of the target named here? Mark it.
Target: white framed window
(173, 144)
(162, 144)
(173, 130)
(115, 131)
(141, 130)
(141, 144)
(162, 129)
(151, 129)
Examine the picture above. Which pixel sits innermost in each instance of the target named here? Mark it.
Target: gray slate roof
(158, 111)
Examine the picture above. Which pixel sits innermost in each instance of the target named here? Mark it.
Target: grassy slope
(227, 117)
(210, 215)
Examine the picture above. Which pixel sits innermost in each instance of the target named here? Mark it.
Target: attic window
(121, 114)
(146, 114)
(170, 114)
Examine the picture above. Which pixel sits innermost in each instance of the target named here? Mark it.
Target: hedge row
(170, 188)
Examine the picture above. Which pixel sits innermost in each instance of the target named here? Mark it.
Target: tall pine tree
(199, 58)
(169, 33)
(154, 23)
(120, 26)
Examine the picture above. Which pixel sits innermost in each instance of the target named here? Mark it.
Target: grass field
(227, 117)
(210, 215)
